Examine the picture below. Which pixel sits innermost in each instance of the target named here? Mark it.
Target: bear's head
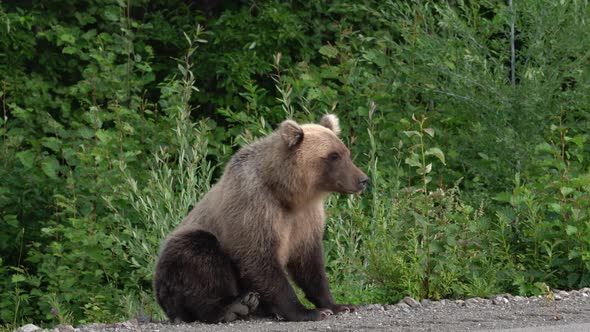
(321, 156)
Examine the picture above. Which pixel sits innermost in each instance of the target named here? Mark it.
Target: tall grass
(398, 240)
(179, 176)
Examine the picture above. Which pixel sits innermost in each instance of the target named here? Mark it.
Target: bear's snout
(363, 180)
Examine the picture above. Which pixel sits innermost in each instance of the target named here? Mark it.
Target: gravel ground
(504, 311)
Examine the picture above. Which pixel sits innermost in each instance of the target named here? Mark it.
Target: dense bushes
(117, 115)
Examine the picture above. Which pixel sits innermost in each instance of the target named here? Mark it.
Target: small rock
(435, 303)
(402, 305)
(425, 302)
(131, 324)
(499, 300)
(28, 328)
(65, 328)
(585, 295)
(473, 301)
(557, 297)
(460, 303)
(563, 293)
(411, 302)
(585, 290)
(444, 302)
(377, 307)
(518, 298)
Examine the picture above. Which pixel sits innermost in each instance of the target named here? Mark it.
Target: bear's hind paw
(241, 308)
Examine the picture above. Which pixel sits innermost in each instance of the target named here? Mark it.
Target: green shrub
(112, 127)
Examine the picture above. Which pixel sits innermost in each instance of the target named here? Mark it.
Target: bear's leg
(308, 272)
(196, 280)
(277, 296)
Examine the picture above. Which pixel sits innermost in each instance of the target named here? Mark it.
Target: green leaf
(566, 191)
(555, 207)
(425, 170)
(329, 51)
(544, 148)
(437, 153)
(104, 136)
(571, 230)
(16, 278)
(67, 38)
(450, 65)
(50, 166)
(413, 160)
(26, 158)
(504, 197)
(572, 255)
(579, 140)
(69, 50)
(421, 220)
(52, 143)
(111, 13)
(411, 133)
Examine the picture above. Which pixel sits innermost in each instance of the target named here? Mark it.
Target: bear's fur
(263, 219)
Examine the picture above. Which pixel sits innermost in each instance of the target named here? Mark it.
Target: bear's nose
(363, 180)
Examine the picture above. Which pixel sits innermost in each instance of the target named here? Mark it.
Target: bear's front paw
(346, 308)
(324, 313)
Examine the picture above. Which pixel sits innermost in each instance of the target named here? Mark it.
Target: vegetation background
(472, 119)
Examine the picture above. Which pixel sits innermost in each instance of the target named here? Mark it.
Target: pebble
(28, 328)
(65, 328)
(435, 303)
(402, 305)
(499, 300)
(425, 302)
(377, 307)
(411, 302)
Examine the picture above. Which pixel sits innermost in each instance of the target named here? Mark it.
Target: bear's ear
(331, 122)
(291, 133)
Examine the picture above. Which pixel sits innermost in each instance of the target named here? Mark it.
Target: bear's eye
(334, 156)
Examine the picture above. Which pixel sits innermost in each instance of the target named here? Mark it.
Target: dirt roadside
(562, 310)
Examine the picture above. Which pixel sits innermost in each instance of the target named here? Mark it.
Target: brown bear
(262, 221)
